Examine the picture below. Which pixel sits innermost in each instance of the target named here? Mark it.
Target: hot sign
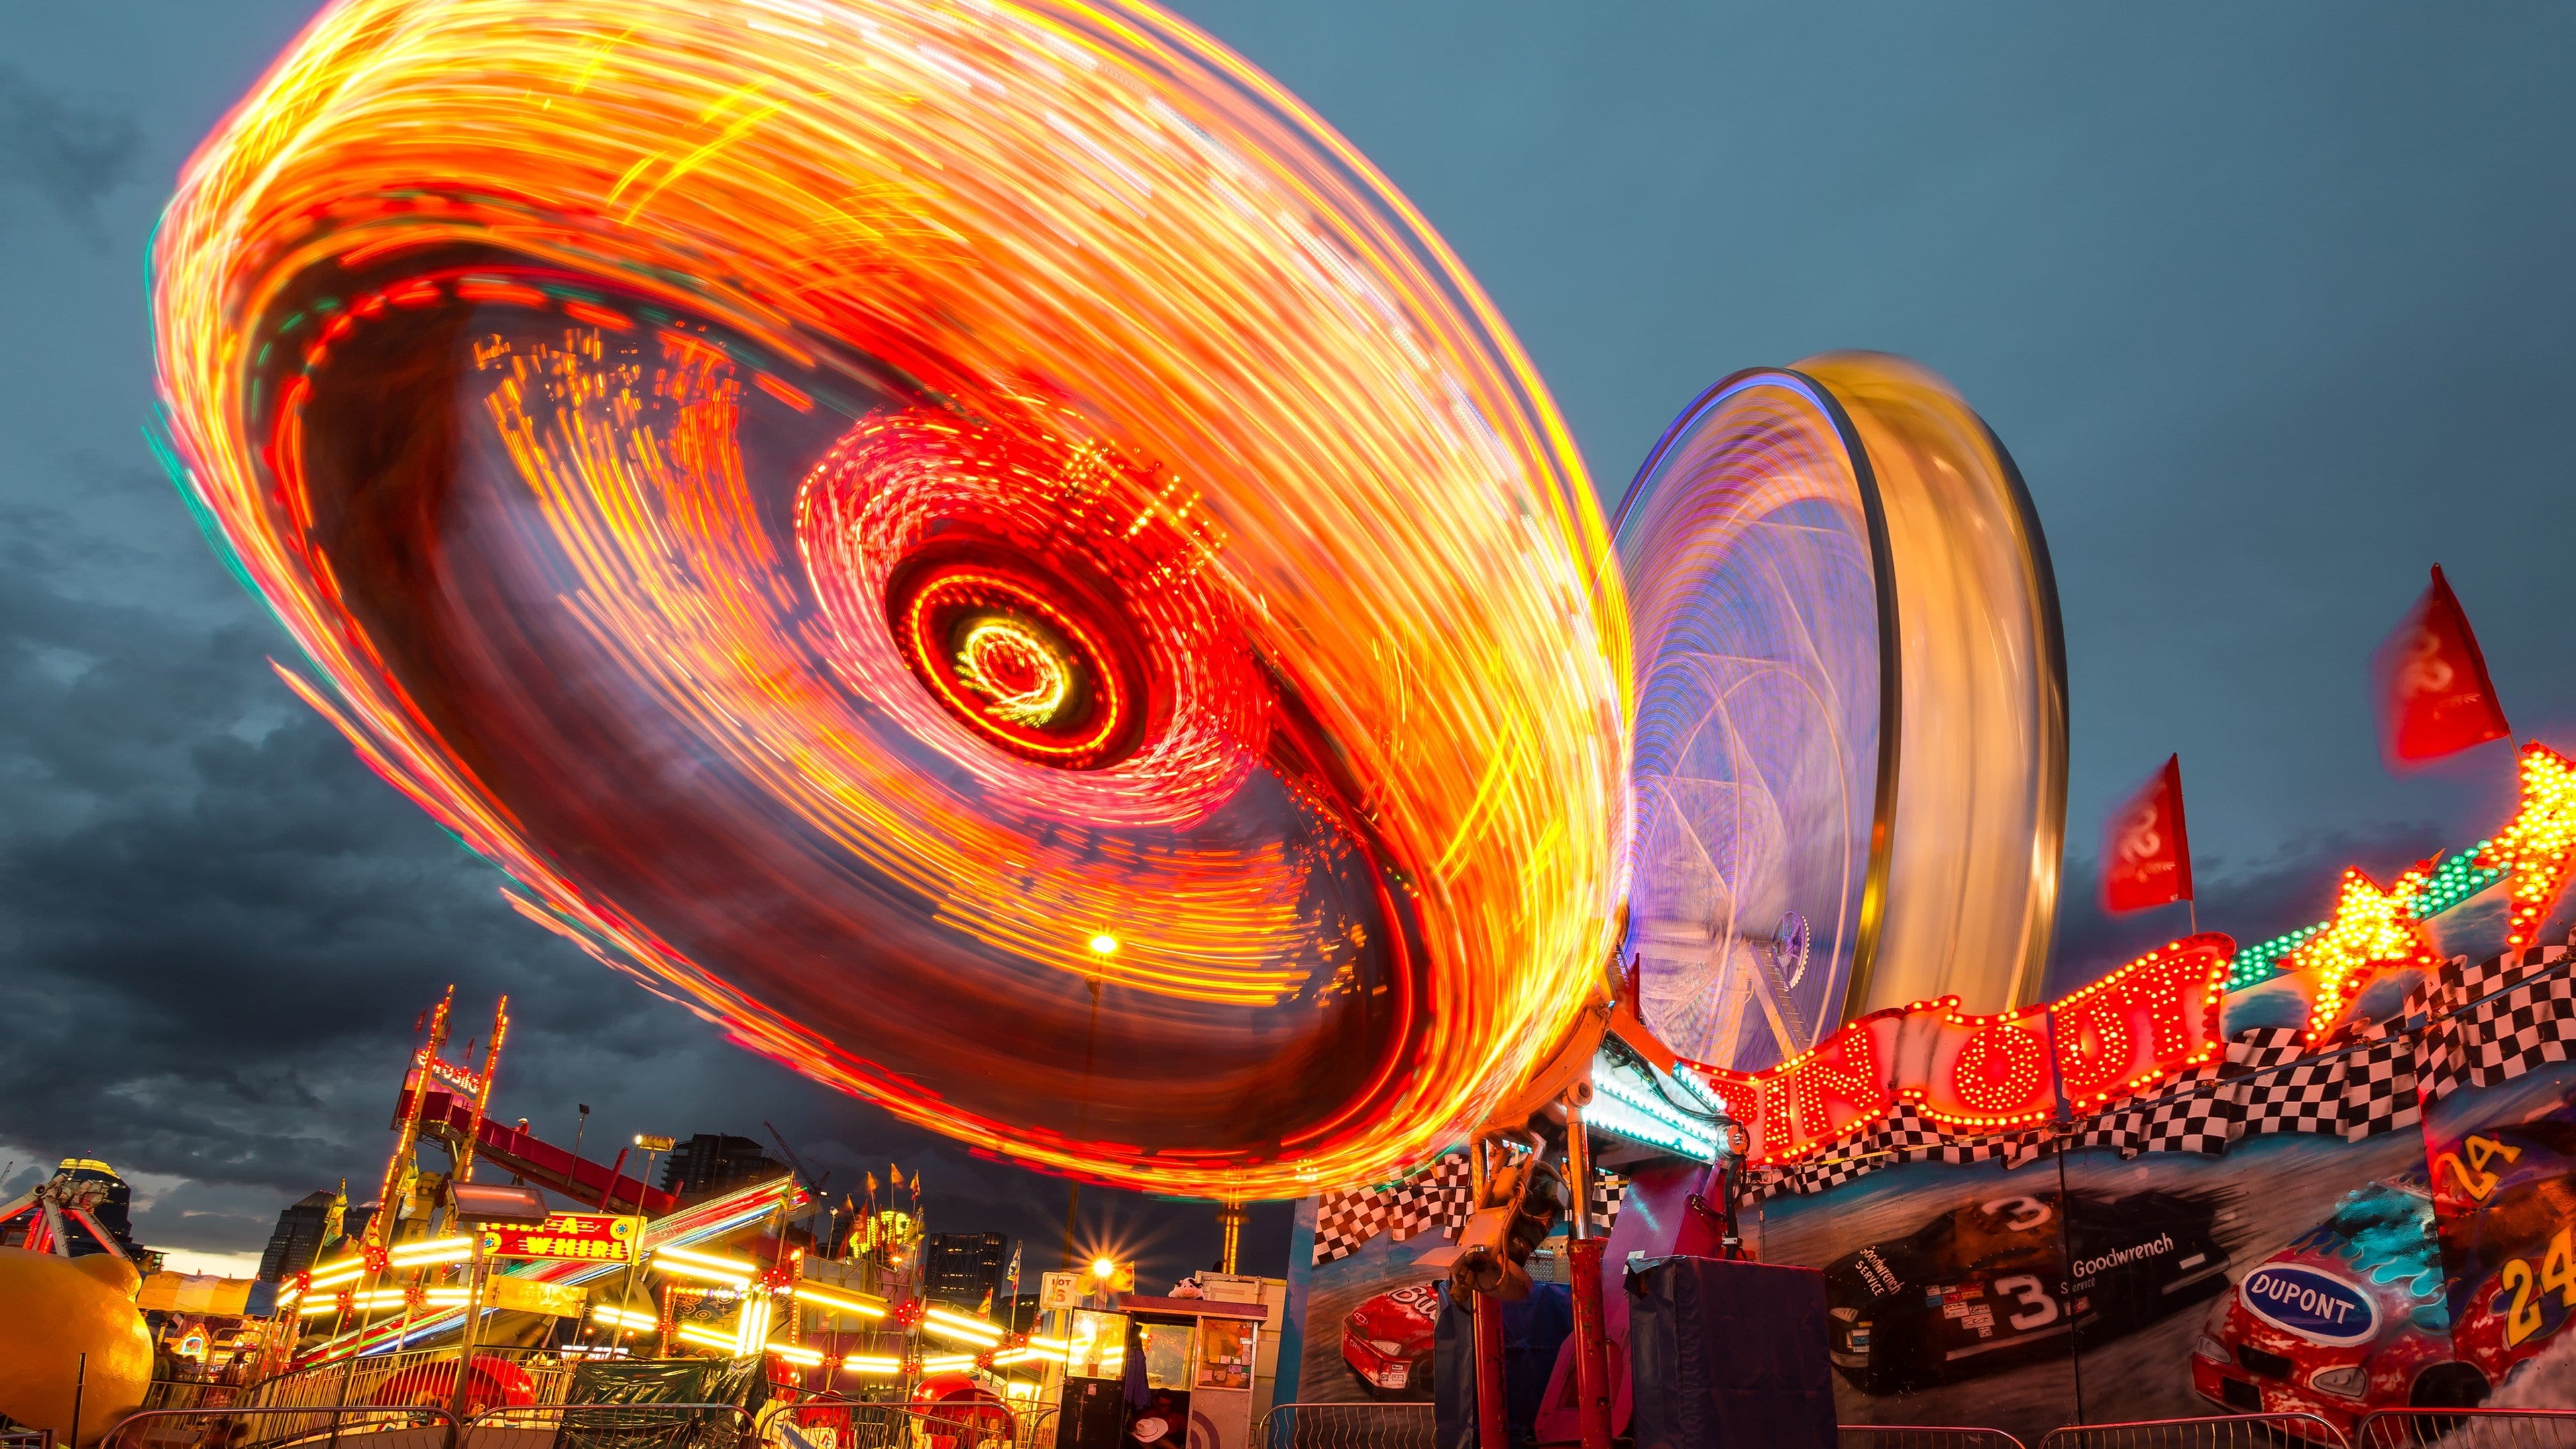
(569, 1237)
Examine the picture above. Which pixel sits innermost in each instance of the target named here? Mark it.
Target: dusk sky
(2271, 304)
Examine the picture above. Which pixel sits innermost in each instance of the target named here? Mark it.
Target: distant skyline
(2269, 303)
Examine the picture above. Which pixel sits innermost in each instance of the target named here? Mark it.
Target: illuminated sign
(527, 1295)
(2141, 1024)
(569, 1237)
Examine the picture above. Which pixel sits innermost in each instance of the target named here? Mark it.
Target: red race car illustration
(2350, 1317)
(1387, 1342)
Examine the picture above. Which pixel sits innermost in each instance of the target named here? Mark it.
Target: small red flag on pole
(2434, 695)
(2146, 852)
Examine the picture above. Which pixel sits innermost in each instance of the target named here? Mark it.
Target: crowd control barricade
(2467, 1429)
(1344, 1426)
(410, 1427)
(1923, 1436)
(2225, 1431)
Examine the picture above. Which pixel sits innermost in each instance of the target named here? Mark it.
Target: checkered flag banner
(2265, 1086)
(1437, 1197)
(2304, 1096)
(2466, 985)
(1344, 1220)
(1609, 1191)
(2265, 1046)
(2505, 1035)
(2379, 1085)
(2474, 1024)
(2203, 1120)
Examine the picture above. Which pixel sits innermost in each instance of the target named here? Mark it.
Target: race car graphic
(2505, 1202)
(2350, 1317)
(1387, 1342)
(1995, 1283)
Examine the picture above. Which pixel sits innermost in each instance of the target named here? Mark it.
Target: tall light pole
(1103, 946)
(654, 1146)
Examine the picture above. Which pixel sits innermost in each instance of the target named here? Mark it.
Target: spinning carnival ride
(982, 548)
(990, 553)
(1851, 711)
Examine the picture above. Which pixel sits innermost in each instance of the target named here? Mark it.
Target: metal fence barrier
(190, 1394)
(26, 1439)
(1923, 1436)
(2468, 1429)
(360, 1378)
(232, 1428)
(877, 1424)
(2233, 1431)
(609, 1426)
(1344, 1426)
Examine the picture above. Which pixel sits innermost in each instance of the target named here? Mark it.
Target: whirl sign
(574, 1237)
(2144, 1023)
(2310, 1304)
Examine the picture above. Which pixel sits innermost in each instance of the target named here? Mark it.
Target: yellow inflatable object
(54, 1310)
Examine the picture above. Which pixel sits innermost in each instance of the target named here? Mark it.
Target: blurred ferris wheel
(1851, 723)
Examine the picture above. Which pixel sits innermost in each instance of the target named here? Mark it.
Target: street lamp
(654, 1145)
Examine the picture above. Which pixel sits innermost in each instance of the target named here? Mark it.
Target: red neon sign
(2146, 1022)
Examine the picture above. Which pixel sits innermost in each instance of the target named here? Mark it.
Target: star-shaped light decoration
(2538, 844)
(2371, 928)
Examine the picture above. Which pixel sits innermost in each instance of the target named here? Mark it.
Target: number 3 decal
(2038, 1310)
(2020, 1214)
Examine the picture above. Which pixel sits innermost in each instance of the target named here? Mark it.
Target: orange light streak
(1263, 422)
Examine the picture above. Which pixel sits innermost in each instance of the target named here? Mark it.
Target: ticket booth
(1092, 1410)
(1201, 1358)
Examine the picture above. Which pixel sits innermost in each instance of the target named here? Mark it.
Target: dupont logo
(2309, 1304)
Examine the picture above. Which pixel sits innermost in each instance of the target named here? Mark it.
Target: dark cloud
(2269, 325)
(2251, 899)
(65, 152)
(220, 928)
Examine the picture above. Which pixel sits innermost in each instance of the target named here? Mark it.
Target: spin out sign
(2144, 1023)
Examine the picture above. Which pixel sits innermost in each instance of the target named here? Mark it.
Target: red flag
(2146, 853)
(2434, 695)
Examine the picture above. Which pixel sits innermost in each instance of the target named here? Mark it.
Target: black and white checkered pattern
(1345, 1220)
(2513, 1031)
(2466, 984)
(1609, 1193)
(2024, 1148)
(2305, 1096)
(1847, 1162)
(2379, 1085)
(2203, 1120)
(2475, 1024)
(2266, 1046)
(1437, 1197)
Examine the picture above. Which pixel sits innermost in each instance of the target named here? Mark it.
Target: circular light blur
(853, 505)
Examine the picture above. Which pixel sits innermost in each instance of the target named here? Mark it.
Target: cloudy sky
(2272, 303)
